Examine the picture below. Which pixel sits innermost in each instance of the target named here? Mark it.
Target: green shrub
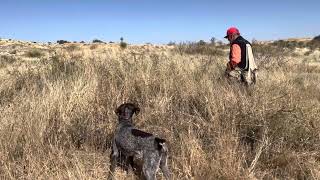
(202, 43)
(171, 43)
(62, 42)
(314, 43)
(123, 45)
(317, 38)
(97, 41)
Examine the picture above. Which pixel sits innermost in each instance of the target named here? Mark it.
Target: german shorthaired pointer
(131, 145)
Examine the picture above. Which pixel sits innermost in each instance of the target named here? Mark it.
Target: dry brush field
(57, 107)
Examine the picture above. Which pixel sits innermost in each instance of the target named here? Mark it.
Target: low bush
(34, 53)
(123, 45)
(97, 41)
(62, 42)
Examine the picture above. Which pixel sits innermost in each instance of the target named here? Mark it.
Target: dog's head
(125, 111)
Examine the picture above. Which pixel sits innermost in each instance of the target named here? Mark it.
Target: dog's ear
(117, 111)
(136, 110)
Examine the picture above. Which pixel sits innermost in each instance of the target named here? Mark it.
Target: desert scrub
(34, 53)
(72, 47)
(94, 46)
(6, 59)
(97, 41)
(123, 44)
(57, 120)
(58, 68)
(200, 47)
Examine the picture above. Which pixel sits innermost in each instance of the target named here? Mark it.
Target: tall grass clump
(72, 47)
(6, 59)
(57, 120)
(34, 53)
(201, 47)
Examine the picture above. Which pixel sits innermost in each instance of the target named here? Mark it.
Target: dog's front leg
(164, 167)
(113, 159)
(129, 164)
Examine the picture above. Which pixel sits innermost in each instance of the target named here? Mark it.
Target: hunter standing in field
(241, 65)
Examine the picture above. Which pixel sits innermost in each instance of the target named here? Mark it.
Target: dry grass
(33, 53)
(57, 117)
